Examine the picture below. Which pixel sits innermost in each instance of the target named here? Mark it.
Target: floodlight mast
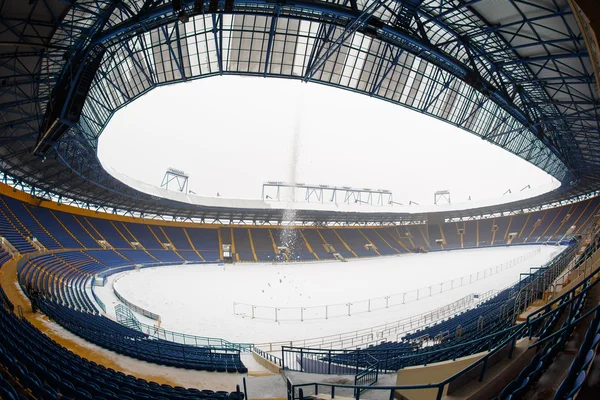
(441, 196)
(271, 190)
(180, 178)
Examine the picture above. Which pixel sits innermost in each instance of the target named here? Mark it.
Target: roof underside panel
(517, 74)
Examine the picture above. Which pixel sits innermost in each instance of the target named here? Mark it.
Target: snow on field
(198, 299)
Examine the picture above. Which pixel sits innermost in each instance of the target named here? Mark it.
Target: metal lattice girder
(515, 73)
(172, 45)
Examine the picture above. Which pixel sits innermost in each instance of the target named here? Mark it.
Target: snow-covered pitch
(198, 299)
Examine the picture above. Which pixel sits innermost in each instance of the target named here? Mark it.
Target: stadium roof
(519, 74)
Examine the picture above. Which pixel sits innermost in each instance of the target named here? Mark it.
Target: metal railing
(112, 271)
(157, 332)
(327, 311)
(134, 345)
(527, 328)
(296, 391)
(576, 291)
(571, 273)
(543, 278)
(323, 361)
(576, 269)
(132, 306)
(192, 340)
(368, 377)
(340, 362)
(95, 296)
(376, 334)
(268, 356)
(125, 317)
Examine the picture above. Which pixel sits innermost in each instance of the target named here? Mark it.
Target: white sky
(231, 134)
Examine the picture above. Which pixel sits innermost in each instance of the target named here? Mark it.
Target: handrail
(547, 309)
(416, 354)
(512, 338)
(568, 271)
(573, 289)
(95, 296)
(192, 340)
(375, 350)
(439, 385)
(564, 328)
(372, 373)
(589, 234)
(270, 357)
(552, 269)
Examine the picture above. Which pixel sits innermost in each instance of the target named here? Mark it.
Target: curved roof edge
(206, 214)
(253, 204)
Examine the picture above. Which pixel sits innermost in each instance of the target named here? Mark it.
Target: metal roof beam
(545, 58)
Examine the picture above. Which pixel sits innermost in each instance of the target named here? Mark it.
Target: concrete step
(323, 396)
(260, 373)
(254, 368)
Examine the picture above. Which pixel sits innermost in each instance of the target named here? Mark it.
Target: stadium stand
(160, 236)
(417, 236)
(582, 363)
(317, 243)
(395, 235)
(166, 255)
(106, 230)
(30, 225)
(385, 246)
(4, 256)
(52, 227)
(356, 242)
(190, 255)
(570, 309)
(34, 365)
(242, 244)
(137, 256)
(72, 225)
(11, 233)
(68, 265)
(333, 238)
(263, 245)
(121, 339)
(144, 236)
(57, 230)
(206, 242)
(177, 237)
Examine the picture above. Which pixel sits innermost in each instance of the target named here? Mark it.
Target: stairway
(126, 318)
(338, 256)
(8, 247)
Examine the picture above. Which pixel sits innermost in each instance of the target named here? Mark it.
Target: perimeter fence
(279, 314)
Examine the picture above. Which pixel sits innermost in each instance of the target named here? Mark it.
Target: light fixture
(183, 17)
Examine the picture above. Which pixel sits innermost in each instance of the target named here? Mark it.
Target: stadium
(112, 288)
